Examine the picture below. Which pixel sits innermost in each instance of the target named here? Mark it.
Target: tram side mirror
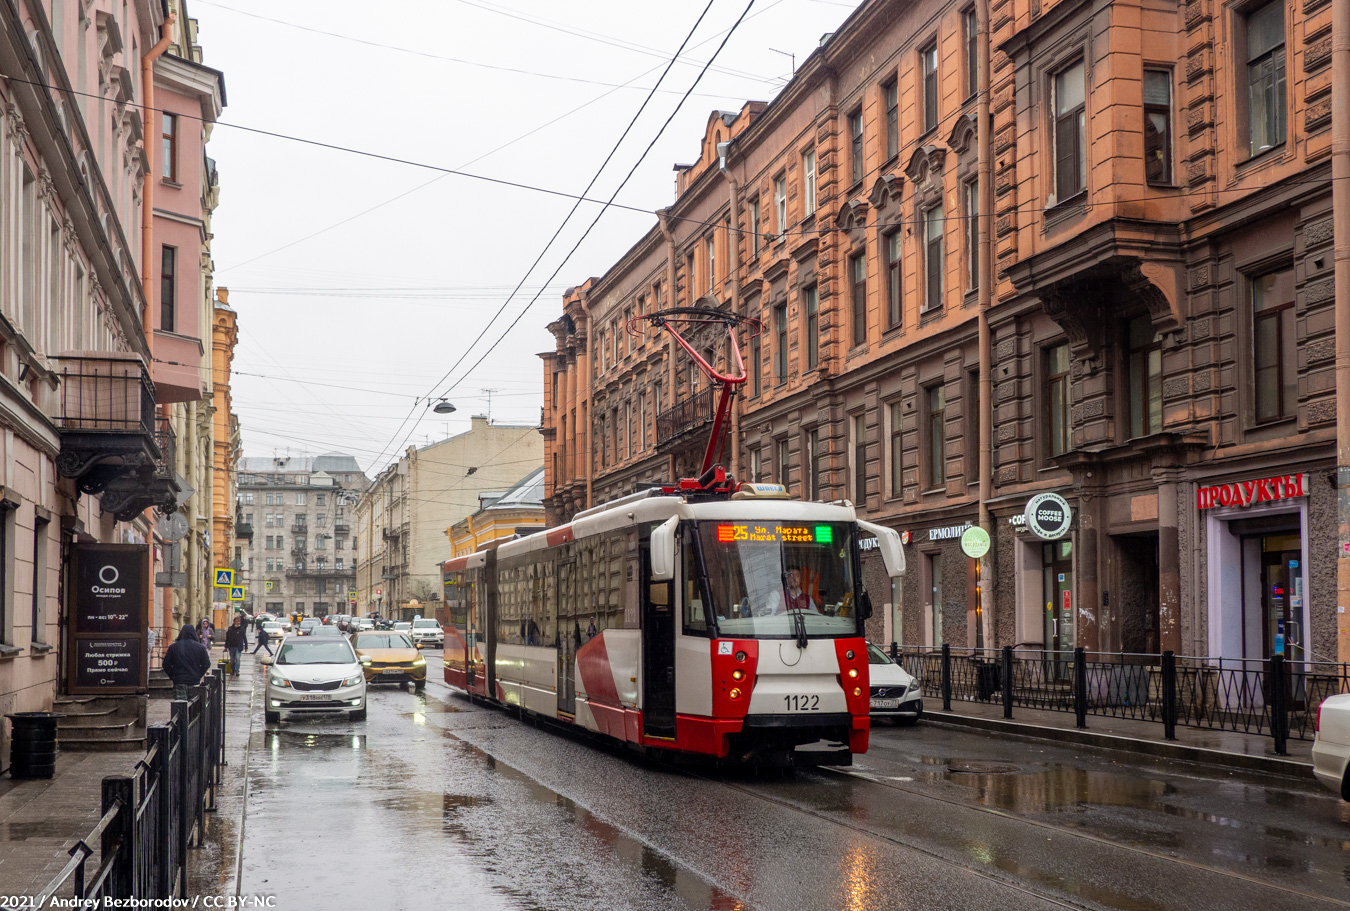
(888, 542)
(663, 550)
(865, 606)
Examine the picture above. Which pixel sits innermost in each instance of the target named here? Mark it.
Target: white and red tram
(727, 627)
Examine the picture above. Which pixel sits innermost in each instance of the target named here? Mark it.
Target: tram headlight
(738, 674)
(735, 692)
(857, 691)
(853, 672)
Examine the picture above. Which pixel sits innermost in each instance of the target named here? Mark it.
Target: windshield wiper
(799, 628)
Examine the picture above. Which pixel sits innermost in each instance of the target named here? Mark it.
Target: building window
(972, 195)
(39, 618)
(168, 271)
(935, 409)
(756, 353)
(268, 499)
(970, 409)
(894, 284)
(890, 94)
(1273, 339)
(1158, 126)
(710, 254)
(1070, 138)
(897, 449)
(248, 498)
(300, 500)
(929, 59)
(1265, 77)
(811, 462)
(857, 271)
(756, 464)
(1057, 401)
(1144, 376)
(808, 182)
(321, 499)
(859, 446)
(784, 465)
(169, 148)
(972, 29)
(780, 205)
(754, 227)
(812, 306)
(855, 133)
(932, 277)
(642, 421)
(781, 343)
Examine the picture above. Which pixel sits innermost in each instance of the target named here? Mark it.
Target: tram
(721, 620)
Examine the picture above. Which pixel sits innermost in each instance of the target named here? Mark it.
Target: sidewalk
(40, 821)
(1231, 749)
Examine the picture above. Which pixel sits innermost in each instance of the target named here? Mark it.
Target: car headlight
(913, 685)
(280, 681)
(419, 660)
(353, 680)
(365, 660)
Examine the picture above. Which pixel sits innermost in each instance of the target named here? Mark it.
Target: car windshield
(383, 640)
(876, 655)
(327, 631)
(425, 624)
(764, 576)
(316, 652)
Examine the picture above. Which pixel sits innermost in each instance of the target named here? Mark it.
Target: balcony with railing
(128, 495)
(684, 418)
(300, 528)
(341, 528)
(324, 570)
(243, 526)
(107, 420)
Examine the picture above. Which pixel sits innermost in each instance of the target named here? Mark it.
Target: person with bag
(187, 661)
(235, 643)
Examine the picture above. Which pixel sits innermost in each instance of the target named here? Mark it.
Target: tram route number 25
(802, 703)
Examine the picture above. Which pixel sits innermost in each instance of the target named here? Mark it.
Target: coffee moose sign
(108, 619)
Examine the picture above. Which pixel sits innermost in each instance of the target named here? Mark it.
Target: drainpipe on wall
(663, 219)
(985, 188)
(147, 261)
(734, 280)
(1340, 200)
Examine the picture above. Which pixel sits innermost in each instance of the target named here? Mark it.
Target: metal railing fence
(151, 816)
(1273, 697)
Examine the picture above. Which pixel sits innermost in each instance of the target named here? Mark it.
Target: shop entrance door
(1282, 595)
(1057, 560)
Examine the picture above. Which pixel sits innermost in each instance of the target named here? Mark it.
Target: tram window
(695, 620)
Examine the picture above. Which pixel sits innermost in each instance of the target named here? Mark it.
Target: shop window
(1274, 362)
(934, 568)
(1158, 127)
(1265, 77)
(1144, 377)
(1070, 136)
(1057, 399)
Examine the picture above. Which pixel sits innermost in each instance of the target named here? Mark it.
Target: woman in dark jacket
(187, 661)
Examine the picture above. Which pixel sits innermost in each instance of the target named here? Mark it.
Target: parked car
(1331, 744)
(390, 657)
(315, 674)
(276, 630)
(309, 625)
(428, 631)
(895, 694)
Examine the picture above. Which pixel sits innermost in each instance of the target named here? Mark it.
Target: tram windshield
(762, 575)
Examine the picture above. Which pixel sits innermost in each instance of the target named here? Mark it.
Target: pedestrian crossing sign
(224, 578)
(236, 593)
(268, 584)
(351, 596)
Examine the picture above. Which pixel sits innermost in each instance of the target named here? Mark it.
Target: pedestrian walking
(263, 636)
(207, 631)
(187, 661)
(235, 642)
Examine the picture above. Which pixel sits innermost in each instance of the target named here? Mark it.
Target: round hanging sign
(1048, 516)
(975, 542)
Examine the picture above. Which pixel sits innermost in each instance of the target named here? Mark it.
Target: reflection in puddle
(1056, 789)
(45, 828)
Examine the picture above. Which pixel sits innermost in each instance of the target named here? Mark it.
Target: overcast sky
(348, 327)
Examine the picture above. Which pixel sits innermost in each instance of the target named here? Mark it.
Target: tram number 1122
(802, 703)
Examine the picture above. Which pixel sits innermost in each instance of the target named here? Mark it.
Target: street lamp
(443, 407)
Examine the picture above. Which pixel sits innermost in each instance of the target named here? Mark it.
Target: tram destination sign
(774, 533)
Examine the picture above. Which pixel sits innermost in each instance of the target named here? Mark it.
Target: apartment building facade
(1125, 276)
(301, 556)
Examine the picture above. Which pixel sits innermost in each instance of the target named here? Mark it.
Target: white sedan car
(1331, 747)
(315, 674)
(895, 694)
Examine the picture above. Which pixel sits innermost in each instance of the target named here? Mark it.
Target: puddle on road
(45, 828)
(1061, 788)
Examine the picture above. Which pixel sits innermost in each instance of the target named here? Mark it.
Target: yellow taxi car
(390, 657)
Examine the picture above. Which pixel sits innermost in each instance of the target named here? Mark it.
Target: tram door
(658, 652)
(569, 638)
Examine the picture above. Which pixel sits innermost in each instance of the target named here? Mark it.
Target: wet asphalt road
(436, 801)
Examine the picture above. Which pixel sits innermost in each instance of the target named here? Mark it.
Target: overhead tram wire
(616, 192)
(556, 234)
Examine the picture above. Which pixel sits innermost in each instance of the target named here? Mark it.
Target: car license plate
(885, 703)
(392, 670)
(314, 697)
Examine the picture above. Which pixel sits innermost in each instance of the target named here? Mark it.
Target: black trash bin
(32, 747)
(988, 680)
